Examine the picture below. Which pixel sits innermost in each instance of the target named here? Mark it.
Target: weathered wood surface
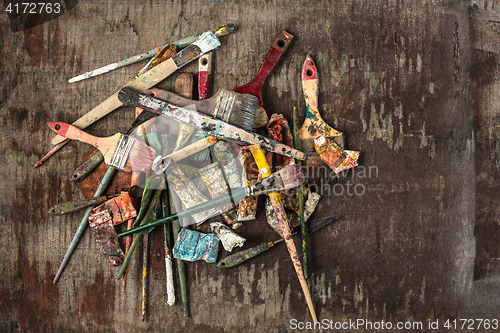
(413, 85)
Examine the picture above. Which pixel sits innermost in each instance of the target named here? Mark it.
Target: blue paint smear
(192, 245)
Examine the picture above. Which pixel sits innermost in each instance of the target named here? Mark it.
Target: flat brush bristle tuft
(237, 109)
(141, 157)
(292, 176)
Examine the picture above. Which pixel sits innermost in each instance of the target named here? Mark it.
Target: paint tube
(247, 209)
(271, 217)
(192, 245)
(214, 180)
(187, 192)
(333, 155)
(222, 151)
(185, 133)
(106, 237)
(228, 238)
(120, 208)
(279, 130)
(309, 207)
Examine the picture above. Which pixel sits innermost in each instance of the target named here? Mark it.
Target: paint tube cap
(319, 141)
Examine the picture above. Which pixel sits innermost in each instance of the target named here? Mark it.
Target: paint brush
(229, 106)
(204, 71)
(72, 206)
(254, 87)
(145, 243)
(314, 125)
(219, 32)
(286, 178)
(121, 151)
(205, 43)
(214, 127)
(277, 203)
(245, 255)
(165, 211)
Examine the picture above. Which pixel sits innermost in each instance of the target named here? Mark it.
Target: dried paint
(185, 133)
(192, 245)
(119, 208)
(228, 238)
(222, 151)
(309, 207)
(247, 209)
(279, 130)
(333, 155)
(187, 192)
(271, 217)
(214, 180)
(106, 237)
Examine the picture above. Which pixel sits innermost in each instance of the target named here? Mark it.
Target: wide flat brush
(314, 125)
(229, 106)
(286, 178)
(121, 151)
(212, 126)
(254, 87)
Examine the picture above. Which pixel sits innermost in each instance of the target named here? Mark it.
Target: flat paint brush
(286, 178)
(219, 32)
(314, 125)
(205, 43)
(87, 166)
(245, 255)
(121, 151)
(234, 108)
(214, 127)
(254, 87)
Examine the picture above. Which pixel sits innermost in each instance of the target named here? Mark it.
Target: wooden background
(412, 84)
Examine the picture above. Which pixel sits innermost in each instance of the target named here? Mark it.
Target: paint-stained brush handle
(71, 132)
(68, 207)
(214, 127)
(279, 47)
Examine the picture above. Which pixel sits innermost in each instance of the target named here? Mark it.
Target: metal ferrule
(265, 185)
(225, 104)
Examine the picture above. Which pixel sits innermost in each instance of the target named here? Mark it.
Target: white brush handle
(193, 148)
(170, 281)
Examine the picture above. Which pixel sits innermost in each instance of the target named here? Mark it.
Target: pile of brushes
(171, 134)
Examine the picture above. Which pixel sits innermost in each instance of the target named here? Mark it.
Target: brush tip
(244, 112)
(292, 176)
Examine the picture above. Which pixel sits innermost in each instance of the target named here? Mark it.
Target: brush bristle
(292, 176)
(141, 157)
(261, 118)
(236, 109)
(207, 42)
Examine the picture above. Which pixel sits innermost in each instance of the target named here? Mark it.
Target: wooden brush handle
(204, 70)
(201, 106)
(279, 47)
(71, 132)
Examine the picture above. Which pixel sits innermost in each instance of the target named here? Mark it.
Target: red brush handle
(203, 81)
(279, 47)
(71, 132)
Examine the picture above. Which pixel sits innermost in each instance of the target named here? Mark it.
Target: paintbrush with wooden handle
(254, 87)
(232, 107)
(314, 125)
(121, 151)
(212, 126)
(286, 178)
(280, 215)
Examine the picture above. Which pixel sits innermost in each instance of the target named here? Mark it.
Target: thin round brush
(121, 151)
(229, 106)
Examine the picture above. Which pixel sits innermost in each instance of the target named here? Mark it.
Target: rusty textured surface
(412, 84)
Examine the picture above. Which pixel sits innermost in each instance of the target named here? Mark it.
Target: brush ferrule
(266, 185)
(225, 105)
(122, 152)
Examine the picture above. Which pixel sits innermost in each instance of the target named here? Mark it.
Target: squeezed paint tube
(271, 217)
(222, 151)
(187, 192)
(106, 237)
(333, 155)
(214, 181)
(192, 245)
(120, 208)
(185, 133)
(228, 238)
(279, 130)
(247, 209)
